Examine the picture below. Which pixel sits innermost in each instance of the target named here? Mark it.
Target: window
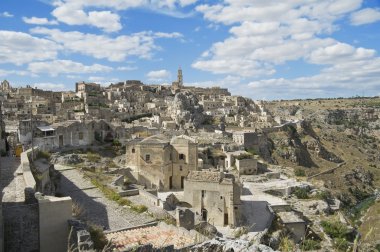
(133, 150)
(180, 167)
(203, 193)
(80, 135)
(147, 157)
(181, 156)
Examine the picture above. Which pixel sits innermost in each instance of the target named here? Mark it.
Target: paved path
(12, 185)
(97, 209)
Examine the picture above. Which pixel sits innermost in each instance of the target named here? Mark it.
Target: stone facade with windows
(215, 196)
(160, 163)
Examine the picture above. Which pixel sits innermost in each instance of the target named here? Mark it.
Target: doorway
(60, 140)
(182, 182)
(226, 219)
(204, 214)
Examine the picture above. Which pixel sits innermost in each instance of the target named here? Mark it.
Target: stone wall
(246, 166)
(54, 214)
(21, 227)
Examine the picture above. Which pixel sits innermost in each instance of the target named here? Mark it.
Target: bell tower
(180, 77)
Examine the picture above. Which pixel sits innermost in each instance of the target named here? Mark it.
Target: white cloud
(19, 48)
(159, 75)
(73, 14)
(265, 34)
(117, 49)
(343, 78)
(50, 86)
(96, 78)
(365, 16)
(6, 14)
(126, 68)
(339, 52)
(16, 72)
(39, 21)
(57, 67)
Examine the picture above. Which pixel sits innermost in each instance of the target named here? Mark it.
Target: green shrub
(299, 173)
(287, 244)
(93, 157)
(309, 244)
(116, 142)
(97, 236)
(139, 208)
(43, 154)
(334, 229)
(244, 156)
(323, 195)
(301, 193)
(341, 244)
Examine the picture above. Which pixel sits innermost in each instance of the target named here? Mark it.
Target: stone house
(245, 138)
(72, 133)
(82, 88)
(215, 196)
(159, 163)
(246, 166)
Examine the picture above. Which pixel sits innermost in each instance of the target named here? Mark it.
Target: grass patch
(93, 157)
(287, 244)
(341, 244)
(139, 208)
(299, 172)
(114, 196)
(43, 154)
(98, 237)
(301, 193)
(335, 229)
(309, 244)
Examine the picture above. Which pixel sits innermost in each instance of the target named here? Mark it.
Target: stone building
(68, 133)
(159, 163)
(82, 88)
(215, 196)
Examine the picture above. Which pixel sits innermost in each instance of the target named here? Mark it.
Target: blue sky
(260, 49)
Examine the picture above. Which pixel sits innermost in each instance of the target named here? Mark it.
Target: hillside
(333, 132)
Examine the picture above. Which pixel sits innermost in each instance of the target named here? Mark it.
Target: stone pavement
(12, 184)
(97, 208)
(20, 220)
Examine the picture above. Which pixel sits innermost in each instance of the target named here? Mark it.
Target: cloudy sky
(262, 49)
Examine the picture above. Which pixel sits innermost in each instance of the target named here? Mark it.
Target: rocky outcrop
(315, 146)
(359, 174)
(227, 245)
(70, 159)
(293, 149)
(313, 207)
(186, 111)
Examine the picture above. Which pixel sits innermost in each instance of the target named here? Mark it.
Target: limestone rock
(186, 111)
(228, 245)
(70, 159)
(313, 207)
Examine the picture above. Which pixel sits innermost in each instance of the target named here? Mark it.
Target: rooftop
(159, 236)
(290, 217)
(209, 176)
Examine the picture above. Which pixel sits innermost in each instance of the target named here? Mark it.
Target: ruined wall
(217, 199)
